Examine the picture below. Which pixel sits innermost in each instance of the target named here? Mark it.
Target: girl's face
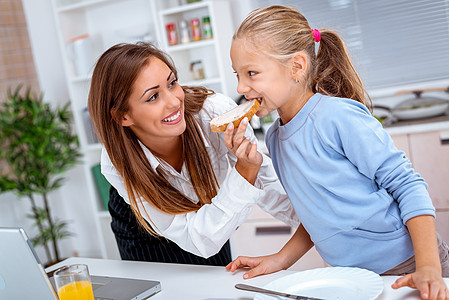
(260, 76)
(156, 105)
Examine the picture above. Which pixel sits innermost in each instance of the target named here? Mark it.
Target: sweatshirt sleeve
(369, 147)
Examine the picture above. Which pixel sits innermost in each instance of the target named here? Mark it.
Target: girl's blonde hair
(112, 81)
(280, 32)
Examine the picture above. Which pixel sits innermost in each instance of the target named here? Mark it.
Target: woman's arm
(275, 200)
(205, 231)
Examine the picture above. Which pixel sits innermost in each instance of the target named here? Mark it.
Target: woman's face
(156, 105)
(260, 76)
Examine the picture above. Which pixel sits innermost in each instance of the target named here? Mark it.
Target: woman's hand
(249, 159)
(428, 281)
(258, 265)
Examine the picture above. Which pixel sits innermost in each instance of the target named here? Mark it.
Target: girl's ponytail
(281, 31)
(334, 73)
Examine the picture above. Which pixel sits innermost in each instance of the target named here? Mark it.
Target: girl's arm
(427, 277)
(296, 247)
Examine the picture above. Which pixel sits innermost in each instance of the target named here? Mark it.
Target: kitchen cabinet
(429, 153)
(262, 234)
(86, 28)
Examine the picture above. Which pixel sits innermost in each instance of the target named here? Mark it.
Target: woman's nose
(173, 100)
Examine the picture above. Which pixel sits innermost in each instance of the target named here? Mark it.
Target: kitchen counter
(203, 282)
(421, 125)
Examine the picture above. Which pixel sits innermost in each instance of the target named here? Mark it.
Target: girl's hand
(249, 159)
(428, 281)
(258, 265)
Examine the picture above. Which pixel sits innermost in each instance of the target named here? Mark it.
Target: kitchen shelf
(83, 5)
(202, 82)
(80, 79)
(104, 214)
(94, 147)
(191, 45)
(183, 8)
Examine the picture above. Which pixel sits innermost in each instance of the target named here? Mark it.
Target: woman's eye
(152, 98)
(173, 82)
(251, 73)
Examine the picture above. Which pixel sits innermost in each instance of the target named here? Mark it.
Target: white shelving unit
(213, 53)
(108, 22)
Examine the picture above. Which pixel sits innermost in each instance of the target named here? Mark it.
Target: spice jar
(172, 36)
(207, 28)
(195, 29)
(197, 69)
(185, 37)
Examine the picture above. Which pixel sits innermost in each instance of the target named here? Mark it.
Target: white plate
(342, 283)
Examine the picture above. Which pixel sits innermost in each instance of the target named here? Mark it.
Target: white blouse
(205, 231)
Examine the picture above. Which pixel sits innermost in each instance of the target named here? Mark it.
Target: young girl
(359, 201)
(162, 158)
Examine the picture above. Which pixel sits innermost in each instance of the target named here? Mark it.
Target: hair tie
(316, 35)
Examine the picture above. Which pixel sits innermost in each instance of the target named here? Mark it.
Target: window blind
(391, 42)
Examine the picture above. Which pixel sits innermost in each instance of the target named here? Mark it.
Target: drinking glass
(73, 282)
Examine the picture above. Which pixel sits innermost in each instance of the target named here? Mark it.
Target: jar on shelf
(195, 29)
(184, 28)
(207, 28)
(172, 36)
(197, 69)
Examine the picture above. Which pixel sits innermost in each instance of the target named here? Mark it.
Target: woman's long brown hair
(281, 31)
(112, 81)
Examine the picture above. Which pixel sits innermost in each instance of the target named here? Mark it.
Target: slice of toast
(235, 115)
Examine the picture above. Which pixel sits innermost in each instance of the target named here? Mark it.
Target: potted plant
(37, 145)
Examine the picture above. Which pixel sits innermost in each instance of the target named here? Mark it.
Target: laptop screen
(23, 277)
(21, 274)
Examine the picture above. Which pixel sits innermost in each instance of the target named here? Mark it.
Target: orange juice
(79, 290)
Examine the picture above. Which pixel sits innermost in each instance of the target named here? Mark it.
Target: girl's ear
(125, 121)
(298, 66)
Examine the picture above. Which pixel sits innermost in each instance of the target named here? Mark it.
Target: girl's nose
(242, 87)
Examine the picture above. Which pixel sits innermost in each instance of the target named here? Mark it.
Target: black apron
(134, 243)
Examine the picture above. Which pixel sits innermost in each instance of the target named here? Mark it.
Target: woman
(163, 159)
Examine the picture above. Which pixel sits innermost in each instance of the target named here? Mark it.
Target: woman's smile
(174, 118)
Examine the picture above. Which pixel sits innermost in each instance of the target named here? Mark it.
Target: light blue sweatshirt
(351, 188)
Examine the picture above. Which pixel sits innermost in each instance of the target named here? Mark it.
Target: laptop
(22, 275)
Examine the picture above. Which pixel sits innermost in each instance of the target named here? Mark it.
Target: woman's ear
(298, 66)
(125, 120)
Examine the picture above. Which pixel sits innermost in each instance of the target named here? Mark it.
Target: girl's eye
(251, 73)
(236, 74)
(152, 98)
